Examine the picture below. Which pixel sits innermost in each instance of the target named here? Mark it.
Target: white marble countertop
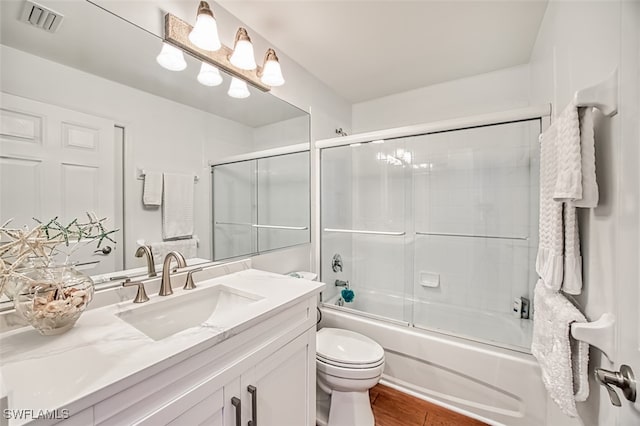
(101, 350)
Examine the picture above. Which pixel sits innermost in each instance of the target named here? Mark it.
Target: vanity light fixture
(240, 62)
(209, 75)
(171, 58)
(271, 71)
(238, 89)
(205, 33)
(243, 56)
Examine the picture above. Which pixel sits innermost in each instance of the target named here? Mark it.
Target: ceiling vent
(41, 17)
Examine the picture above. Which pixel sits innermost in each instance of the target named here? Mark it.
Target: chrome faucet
(146, 252)
(165, 284)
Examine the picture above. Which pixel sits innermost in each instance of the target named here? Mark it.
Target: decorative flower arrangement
(50, 297)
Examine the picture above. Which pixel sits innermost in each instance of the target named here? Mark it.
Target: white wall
(160, 135)
(579, 44)
(491, 92)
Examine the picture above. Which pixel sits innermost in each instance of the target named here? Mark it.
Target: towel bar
(600, 333)
(140, 173)
(603, 95)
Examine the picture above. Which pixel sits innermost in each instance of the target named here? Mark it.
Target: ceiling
(95, 41)
(366, 49)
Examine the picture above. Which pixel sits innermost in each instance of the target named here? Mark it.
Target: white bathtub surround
(177, 209)
(103, 355)
(563, 360)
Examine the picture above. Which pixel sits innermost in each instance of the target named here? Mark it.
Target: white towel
(550, 261)
(576, 178)
(177, 209)
(562, 359)
(187, 247)
(152, 189)
(588, 150)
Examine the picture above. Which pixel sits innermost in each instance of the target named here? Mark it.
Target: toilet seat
(320, 358)
(349, 372)
(347, 349)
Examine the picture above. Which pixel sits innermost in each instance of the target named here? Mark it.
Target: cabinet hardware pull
(236, 403)
(254, 405)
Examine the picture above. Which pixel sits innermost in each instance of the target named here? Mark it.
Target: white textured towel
(177, 208)
(576, 178)
(562, 359)
(550, 260)
(152, 189)
(187, 247)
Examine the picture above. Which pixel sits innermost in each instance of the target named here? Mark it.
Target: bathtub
(482, 326)
(493, 384)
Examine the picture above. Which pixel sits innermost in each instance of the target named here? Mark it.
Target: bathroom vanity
(239, 349)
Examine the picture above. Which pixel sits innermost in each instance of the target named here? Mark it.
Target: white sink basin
(163, 318)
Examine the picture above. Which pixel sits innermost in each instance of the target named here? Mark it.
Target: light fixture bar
(176, 32)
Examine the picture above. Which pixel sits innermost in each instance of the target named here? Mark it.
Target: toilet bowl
(348, 365)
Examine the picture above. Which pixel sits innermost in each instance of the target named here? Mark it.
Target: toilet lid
(344, 346)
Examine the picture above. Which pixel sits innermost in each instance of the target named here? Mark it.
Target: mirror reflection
(260, 205)
(91, 123)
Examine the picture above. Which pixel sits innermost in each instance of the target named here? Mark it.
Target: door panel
(58, 163)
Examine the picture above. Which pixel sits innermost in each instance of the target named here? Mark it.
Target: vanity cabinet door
(284, 385)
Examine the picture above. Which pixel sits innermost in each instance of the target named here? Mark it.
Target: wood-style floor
(394, 408)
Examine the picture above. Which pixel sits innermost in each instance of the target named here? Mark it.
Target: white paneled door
(55, 162)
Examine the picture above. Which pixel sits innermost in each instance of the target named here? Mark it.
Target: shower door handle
(622, 379)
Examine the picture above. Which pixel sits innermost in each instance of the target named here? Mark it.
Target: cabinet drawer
(193, 408)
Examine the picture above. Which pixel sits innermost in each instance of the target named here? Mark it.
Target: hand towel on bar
(177, 208)
(549, 262)
(576, 179)
(188, 247)
(152, 189)
(563, 360)
(572, 280)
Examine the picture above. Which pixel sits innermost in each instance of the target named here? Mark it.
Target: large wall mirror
(87, 113)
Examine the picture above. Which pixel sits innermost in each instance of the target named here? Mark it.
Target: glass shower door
(283, 201)
(364, 192)
(475, 194)
(234, 210)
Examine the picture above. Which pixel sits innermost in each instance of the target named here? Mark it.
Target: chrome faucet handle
(141, 295)
(165, 283)
(189, 284)
(341, 283)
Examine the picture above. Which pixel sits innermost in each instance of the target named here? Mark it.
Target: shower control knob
(622, 379)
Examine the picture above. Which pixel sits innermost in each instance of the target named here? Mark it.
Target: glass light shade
(209, 75)
(272, 74)
(171, 58)
(242, 56)
(238, 89)
(205, 33)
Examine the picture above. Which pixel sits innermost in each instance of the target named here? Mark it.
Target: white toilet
(348, 365)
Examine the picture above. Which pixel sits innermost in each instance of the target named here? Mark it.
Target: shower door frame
(540, 112)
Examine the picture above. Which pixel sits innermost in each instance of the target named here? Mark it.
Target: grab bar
(445, 234)
(357, 231)
(294, 228)
(234, 223)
